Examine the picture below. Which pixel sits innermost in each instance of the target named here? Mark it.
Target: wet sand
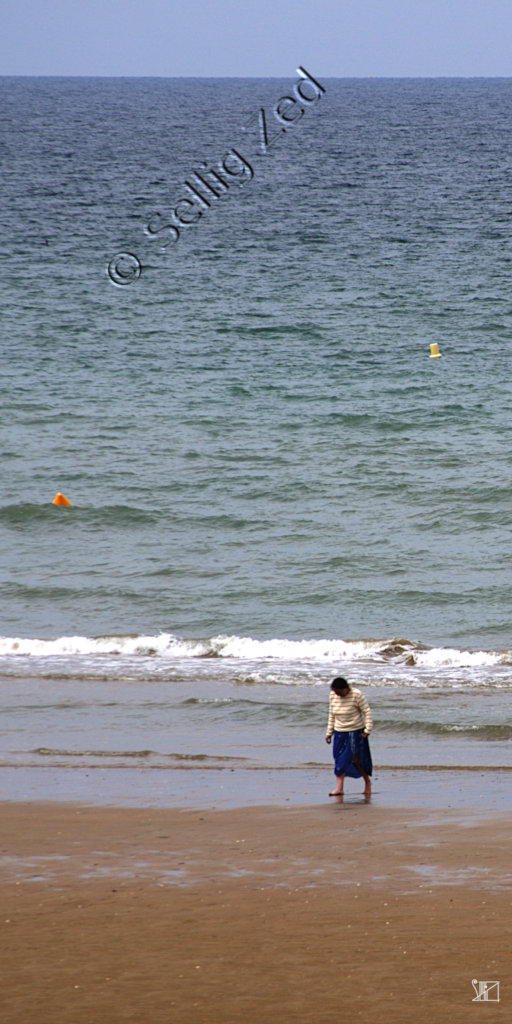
(208, 785)
(303, 913)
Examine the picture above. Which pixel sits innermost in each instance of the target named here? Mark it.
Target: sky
(225, 38)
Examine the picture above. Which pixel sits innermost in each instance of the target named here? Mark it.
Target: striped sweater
(348, 713)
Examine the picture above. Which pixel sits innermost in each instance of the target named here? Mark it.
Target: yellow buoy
(434, 351)
(59, 499)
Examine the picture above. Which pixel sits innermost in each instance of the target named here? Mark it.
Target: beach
(271, 484)
(305, 912)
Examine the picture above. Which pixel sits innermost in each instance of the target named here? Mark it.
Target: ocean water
(271, 480)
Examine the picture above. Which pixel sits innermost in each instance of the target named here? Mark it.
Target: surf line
(207, 184)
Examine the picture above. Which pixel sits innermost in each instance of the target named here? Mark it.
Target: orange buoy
(59, 499)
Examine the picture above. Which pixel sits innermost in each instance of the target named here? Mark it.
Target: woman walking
(350, 721)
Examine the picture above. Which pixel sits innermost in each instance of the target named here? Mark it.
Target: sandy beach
(306, 913)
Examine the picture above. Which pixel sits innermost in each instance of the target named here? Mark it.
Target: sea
(218, 301)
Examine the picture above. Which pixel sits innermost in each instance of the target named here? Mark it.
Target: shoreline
(201, 786)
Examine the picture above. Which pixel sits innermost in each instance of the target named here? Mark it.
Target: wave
(51, 752)
(239, 648)
(443, 729)
(26, 514)
(146, 754)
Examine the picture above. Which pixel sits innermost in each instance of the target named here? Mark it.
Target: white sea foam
(450, 657)
(162, 645)
(247, 648)
(167, 646)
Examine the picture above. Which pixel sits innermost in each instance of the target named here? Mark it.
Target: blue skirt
(348, 746)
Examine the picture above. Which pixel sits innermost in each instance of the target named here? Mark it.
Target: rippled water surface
(271, 481)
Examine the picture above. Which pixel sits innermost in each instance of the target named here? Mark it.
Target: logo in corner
(486, 991)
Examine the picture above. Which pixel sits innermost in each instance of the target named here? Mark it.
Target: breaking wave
(239, 648)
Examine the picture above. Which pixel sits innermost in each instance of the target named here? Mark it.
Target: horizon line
(339, 78)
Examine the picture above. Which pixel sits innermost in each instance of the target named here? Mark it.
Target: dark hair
(339, 685)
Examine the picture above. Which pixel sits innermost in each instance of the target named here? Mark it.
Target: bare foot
(368, 790)
(336, 792)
